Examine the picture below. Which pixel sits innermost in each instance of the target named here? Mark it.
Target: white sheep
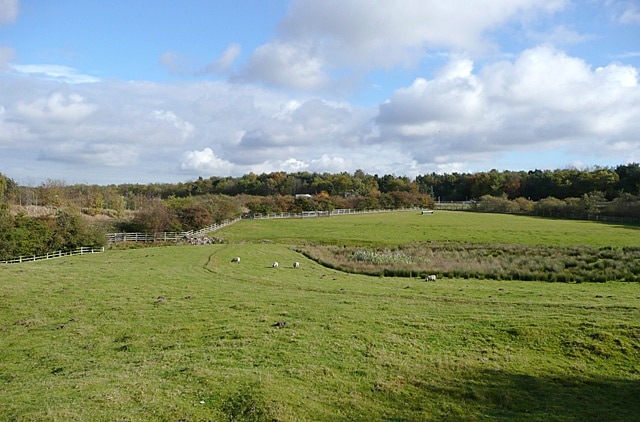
(296, 264)
(236, 259)
(431, 277)
(274, 265)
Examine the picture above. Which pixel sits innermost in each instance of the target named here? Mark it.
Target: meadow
(180, 333)
(402, 227)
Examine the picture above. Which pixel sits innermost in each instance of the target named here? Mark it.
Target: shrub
(23, 235)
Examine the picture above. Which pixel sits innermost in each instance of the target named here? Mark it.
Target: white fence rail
(166, 236)
(175, 236)
(51, 255)
(341, 211)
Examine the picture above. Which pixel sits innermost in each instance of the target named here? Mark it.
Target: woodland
(59, 216)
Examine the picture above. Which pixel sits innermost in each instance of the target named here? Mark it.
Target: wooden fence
(341, 211)
(453, 205)
(51, 255)
(166, 236)
(176, 236)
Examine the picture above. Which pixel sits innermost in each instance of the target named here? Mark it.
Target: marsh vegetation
(575, 264)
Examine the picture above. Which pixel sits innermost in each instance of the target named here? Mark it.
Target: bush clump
(21, 235)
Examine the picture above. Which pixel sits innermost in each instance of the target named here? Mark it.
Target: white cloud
(560, 35)
(631, 16)
(170, 121)
(172, 61)
(57, 107)
(314, 126)
(451, 102)
(55, 72)
(287, 64)
(6, 54)
(12, 133)
(540, 76)
(225, 62)
(543, 97)
(615, 75)
(205, 162)
(8, 11)
(321, 37)
(178, 64)
(463, 114)
(293, 165)
(387, 33)
(546, 79)
(102, 154)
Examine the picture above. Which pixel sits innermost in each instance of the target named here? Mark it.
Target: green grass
(181, 333)
(398, 228)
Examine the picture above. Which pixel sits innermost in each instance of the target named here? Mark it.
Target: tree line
(612, 182)
(191, 205)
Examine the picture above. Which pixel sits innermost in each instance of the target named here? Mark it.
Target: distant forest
(65, 223)
(610, 183)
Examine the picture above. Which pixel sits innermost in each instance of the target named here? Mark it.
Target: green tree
(23, 235)
(71, 231)
(549, 205)
(629, 178)
(194, 217)
(155, 217)
(3, 187)
(524, 205)
(502, 204)
(53, 193)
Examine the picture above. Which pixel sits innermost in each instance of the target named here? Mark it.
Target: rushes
(486, 261)
(385, 257)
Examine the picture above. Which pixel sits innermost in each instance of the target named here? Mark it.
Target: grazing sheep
(296, 264)
(274, 265)
(236, 259)
(431, 277)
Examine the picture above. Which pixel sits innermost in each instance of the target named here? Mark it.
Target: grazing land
(183, 333)
(402, 227)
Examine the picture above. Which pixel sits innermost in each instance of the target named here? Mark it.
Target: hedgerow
(21, 235)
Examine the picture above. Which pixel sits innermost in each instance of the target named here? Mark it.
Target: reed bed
(577, 264)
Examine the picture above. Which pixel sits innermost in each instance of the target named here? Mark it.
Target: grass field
(410, 226)
(183, 334)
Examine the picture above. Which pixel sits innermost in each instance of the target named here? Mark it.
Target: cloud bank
(277, 110)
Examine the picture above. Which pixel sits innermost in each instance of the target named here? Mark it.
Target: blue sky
(160, 91)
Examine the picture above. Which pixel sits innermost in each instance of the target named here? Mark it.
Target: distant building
(303, 195)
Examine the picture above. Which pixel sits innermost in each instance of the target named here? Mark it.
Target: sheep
(274, 265)
(235, 259)
(296, 264)
(431, 277)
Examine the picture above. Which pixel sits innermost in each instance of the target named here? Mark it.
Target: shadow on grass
(617, 222)
(499, 395)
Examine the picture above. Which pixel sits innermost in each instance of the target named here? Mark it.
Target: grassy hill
(400, 227)
(182, 333)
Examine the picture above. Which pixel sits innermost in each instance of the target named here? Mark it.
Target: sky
(142, 91)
